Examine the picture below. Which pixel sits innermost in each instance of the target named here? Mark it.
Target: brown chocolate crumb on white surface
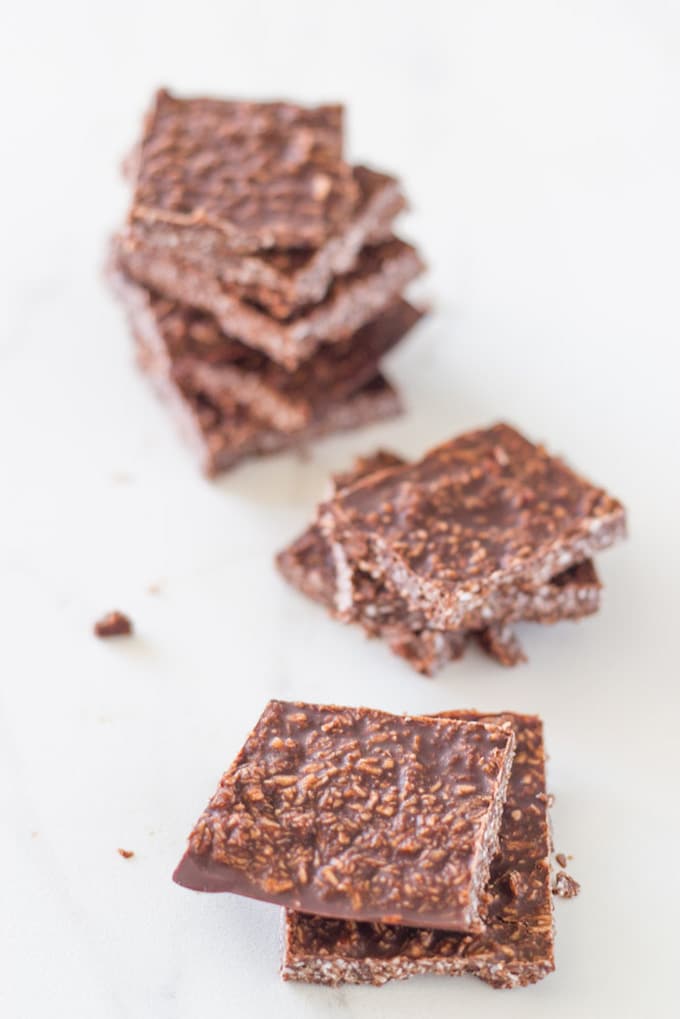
(113, 624)
(357, 813)
(565, 886)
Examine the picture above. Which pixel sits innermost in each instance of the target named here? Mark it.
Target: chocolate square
(376, 281)
(516, 947)
(248, 175)
(458, 532)
(224, 370)
(224, 434)
(308, 564)
(351, 812)
(282, 281)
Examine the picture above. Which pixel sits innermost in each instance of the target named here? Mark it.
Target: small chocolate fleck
(512, 880)
(561, 859)
(126, 853)
(565, 886)
(114, 624)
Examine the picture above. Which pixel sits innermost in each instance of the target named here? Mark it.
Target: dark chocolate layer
(283, 281)
(226, 371)
(308, 564)
(517, 946)
(459, 531)
(376, 282)
(251, 175)
(222, 437)
(350, 812)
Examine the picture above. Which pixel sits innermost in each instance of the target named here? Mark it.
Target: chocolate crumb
(565, 886)
(114, 624)
(561, 859)
(154, 589)
(126, 853)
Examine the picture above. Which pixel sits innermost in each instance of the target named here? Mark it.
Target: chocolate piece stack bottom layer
(260, 274)
(486, 530)
(396, 844)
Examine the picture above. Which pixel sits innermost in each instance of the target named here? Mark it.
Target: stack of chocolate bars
(486, 530)
(397, 845)
(260, 274)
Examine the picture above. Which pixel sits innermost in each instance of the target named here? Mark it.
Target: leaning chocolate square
(284, 280)
(517, 945)
(376, 281)
(356, 813)
(457, 532)
(204, 359)
(382, 611)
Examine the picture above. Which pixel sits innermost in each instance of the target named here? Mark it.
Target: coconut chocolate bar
(356, 813)
(212, 173)
(459, 531)
(309, 565)
(516, 947)
(376, 281)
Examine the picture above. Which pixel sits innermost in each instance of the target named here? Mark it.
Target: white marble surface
(539, 144)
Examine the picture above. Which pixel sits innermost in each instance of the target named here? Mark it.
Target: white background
(539, 145)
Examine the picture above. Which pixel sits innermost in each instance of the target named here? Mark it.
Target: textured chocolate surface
(457, 532)
(223, 369)
(380, 275)
(517, 946)
(251, 175)
(284, 281)
(308, 564)
(222, 436)
(350, 812)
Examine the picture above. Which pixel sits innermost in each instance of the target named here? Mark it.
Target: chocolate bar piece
(380, 275)
(458, 532)
(308, 565)
(565, 886)
(517, 946)
(223, 436)
(249, 176)
(284, 281)
(222, 368)
(350, 812)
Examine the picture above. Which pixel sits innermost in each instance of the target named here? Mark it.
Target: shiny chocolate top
(350, 812)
